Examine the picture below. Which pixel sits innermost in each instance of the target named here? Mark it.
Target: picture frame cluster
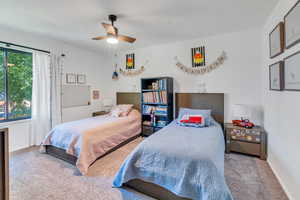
(72, 78)
(285, 74)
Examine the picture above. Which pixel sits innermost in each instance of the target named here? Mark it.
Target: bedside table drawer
(248, 135)
(244, 147)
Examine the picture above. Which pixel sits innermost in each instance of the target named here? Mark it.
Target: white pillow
(115, 112)
(121, 110)
(125, 108)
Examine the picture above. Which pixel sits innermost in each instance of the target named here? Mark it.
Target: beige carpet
(36, 176)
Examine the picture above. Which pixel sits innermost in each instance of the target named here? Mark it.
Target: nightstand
(99, 113)
(148, 130)
(248, 141)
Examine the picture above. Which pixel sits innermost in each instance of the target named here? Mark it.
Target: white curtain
(56, 78)
(41, 117)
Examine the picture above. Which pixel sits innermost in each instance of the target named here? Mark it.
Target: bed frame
(213, 101)
(122, 98)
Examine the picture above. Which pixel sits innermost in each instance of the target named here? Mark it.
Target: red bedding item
(194, 119)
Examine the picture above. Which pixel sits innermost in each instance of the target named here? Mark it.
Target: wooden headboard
(129, 98)
(212, 101)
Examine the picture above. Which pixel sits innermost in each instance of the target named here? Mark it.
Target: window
(15, 84)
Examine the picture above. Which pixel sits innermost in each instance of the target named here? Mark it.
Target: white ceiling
(150, 21)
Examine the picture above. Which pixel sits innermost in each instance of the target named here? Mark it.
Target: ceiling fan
(113, 36)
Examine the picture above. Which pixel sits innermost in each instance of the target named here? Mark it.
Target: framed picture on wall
(292, 27)
(276, 76)
(81, 79)
(276, 40)
(292, 72)
(130, 61)
(198, 57)
(96, 94)
(71, 78)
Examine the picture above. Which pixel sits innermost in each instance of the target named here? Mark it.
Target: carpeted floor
(36, 176)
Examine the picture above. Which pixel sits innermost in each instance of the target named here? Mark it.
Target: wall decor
(276, 40)
(81, 78)
(96, 94)
(292, 72)
(70, 78)
(135, 72)
(130, 61)
(115, 75)
(276, 76)
(292, 28)
(132, 72)
(202, 70)
(198, 56)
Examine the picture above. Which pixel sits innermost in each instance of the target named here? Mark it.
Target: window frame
(5, 70)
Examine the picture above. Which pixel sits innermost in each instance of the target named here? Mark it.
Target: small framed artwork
(276, 40)
(71, 78)
(276, 76)
(130, 61)
(198, 57)
(292, 72)
(96, 94)
(292, 28)
(81, 78)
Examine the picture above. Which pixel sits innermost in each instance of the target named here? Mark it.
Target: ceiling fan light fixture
(112, 40)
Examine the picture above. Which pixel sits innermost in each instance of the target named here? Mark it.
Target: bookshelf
(156, 103)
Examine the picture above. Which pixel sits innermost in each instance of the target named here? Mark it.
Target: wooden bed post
(4, 187)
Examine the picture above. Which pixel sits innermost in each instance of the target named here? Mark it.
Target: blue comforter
(185, 160)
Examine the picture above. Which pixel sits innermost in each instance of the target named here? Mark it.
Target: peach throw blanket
(88, 139)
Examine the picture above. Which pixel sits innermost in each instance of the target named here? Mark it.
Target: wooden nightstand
(99, 113)
(248, 141)
(149, 130)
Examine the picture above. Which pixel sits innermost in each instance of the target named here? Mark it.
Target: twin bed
(82, 142)
(175, 163)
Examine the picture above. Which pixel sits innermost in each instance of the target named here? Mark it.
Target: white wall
(281, 110)
(239, 78)
(77, 60)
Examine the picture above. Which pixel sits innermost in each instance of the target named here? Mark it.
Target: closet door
(4, 164)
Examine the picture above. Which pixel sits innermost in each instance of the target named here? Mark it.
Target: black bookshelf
(156, 94)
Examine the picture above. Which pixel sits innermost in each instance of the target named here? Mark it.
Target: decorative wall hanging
(276, 40)
(292, 28)
(202, 70)
(115, 75)
(81, 78)
(71, 78)
(130, 61)
(276, 76)
(131, 72)
(292, 72)
(198, 57)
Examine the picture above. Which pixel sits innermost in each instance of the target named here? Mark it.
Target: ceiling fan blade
(99, 38)
(126, 38)
(110, 29)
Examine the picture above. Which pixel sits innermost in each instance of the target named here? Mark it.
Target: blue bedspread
(185, 160)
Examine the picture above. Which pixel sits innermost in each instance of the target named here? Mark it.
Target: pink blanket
(90, 138)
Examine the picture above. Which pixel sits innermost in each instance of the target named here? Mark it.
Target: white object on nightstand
(241, 111)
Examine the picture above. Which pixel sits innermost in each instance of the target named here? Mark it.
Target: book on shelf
(147, 123)
(158, 110)
(159, 85)
(155, 97)
(159, 123)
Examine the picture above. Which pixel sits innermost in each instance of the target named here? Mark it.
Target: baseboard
(23, 150)
(280, 180)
